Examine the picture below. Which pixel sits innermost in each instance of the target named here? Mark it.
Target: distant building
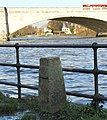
(48, 31)
(66, 29)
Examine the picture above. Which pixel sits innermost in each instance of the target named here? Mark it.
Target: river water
(70, 57)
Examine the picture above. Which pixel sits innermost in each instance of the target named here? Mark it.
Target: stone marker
(52, 95)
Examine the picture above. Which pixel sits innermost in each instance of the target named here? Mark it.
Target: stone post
(52, 95)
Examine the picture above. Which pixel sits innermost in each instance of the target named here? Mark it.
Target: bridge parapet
(2, 20)
(21, 17)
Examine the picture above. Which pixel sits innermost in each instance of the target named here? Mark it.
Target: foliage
(39, 31)
(76, 112)
(28, 30)
(7, 105)
(29, 116)
(31, 103)
(93, 102)
(72, 28)
(69, 112)
(10, 105)
(55, 25)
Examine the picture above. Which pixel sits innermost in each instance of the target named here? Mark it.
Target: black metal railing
(95, 71)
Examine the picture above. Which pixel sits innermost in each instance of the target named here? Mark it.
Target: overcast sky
(47, 3)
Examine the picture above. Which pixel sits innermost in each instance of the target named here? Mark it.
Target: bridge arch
(27, 24)
(91, 23)
(21, 17)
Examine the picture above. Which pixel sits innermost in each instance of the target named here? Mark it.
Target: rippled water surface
(70, 57)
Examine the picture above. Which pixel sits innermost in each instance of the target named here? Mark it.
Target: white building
(47, 31)
(66, 29)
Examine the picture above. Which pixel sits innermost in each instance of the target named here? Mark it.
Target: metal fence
(96, 97)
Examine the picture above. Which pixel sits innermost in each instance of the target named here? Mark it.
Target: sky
(48, 3)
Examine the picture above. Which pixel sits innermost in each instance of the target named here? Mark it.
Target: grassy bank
(69, 112)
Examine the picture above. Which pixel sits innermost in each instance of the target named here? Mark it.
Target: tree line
(53, 25)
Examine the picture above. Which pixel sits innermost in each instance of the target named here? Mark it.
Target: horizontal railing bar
(84, 71)
(86, 95)
(102, 98)
(31, 87)
(21, 85)
(7, 83)
(20, 65)
(79, 94)
(102, 72)
(29, 66)
(8, 64)
(67, 93)
(64, 69)
(56, 45)
(7, 45)
(47, 45)
(101, 45)
(78, 70)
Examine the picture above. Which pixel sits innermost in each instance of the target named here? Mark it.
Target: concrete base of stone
(52, 95)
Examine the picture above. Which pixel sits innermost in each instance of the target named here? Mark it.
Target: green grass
(69, 112)
(10, 105)
(77, 112)
(29, 116)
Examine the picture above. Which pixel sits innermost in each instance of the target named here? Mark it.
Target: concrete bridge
(13, 19)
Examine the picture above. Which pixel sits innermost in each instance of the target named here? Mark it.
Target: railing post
(18, 70)
(94, 45)
(52, 95)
